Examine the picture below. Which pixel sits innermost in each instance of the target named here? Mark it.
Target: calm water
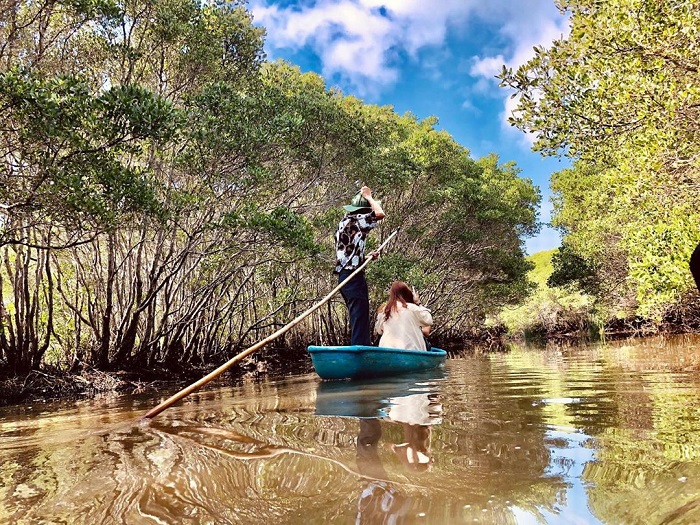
(581, 435)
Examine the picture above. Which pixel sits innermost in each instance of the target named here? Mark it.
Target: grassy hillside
(547, 311)
(543, 267)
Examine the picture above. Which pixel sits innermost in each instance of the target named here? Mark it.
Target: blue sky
(431, 58)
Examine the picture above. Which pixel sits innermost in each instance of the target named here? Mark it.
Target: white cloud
(485, 71)
(359, 40)
(469, 106)
(349, 39)
(542, 34)
(524, 35)
(363, 41)
(487, 67)
(363, 46)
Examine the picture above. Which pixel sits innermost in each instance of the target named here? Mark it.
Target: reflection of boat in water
(382, 398)
(356, 362)
(411, 401)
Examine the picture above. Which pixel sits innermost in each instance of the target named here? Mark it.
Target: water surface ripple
(577, 434)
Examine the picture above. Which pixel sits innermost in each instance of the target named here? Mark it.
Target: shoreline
(63, 385)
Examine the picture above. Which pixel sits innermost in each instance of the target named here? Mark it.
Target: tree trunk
(102, 361)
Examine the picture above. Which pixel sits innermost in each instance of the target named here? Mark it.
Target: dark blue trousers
(356, 297)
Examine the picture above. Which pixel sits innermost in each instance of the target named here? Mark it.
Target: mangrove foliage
(620, 96)
(168, 196)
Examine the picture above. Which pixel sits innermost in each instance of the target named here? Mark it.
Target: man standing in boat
(362, 215)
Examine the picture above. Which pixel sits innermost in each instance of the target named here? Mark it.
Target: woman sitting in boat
(403, 322)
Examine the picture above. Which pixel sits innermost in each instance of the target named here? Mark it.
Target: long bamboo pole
(216, 373)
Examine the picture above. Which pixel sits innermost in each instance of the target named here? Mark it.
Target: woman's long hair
(399, 293)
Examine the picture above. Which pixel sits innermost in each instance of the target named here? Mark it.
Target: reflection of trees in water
(645, 429)
(494, 443)
(181, 474)
(489, 450)
(631, 486)
(258, 454)
(266, 460)
(649, 457)
(638, 402)
(45, 456)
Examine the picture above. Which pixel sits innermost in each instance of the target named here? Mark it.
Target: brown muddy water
(581, 435)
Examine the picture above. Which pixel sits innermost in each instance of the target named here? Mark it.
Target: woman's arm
(423, 317)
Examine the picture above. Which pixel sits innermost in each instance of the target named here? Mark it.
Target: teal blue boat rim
(354, 362)
(381, 349)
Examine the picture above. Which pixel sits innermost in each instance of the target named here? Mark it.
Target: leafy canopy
(621, 95)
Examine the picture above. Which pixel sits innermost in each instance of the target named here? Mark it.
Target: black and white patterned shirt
(350, 240)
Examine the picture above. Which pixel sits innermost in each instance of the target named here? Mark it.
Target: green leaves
(621, 95)
(70, 147)
(277, 228)
(284, 226)
(135, 113)
(572, 271)
(95, 8)
(193, 190)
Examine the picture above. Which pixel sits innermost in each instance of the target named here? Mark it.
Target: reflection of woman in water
(416, 413)
(414, 453)
(380, 501)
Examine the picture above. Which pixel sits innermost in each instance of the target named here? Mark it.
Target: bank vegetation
(168, 197)
(619, 95)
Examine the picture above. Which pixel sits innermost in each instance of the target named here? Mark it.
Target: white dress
(403, 328)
